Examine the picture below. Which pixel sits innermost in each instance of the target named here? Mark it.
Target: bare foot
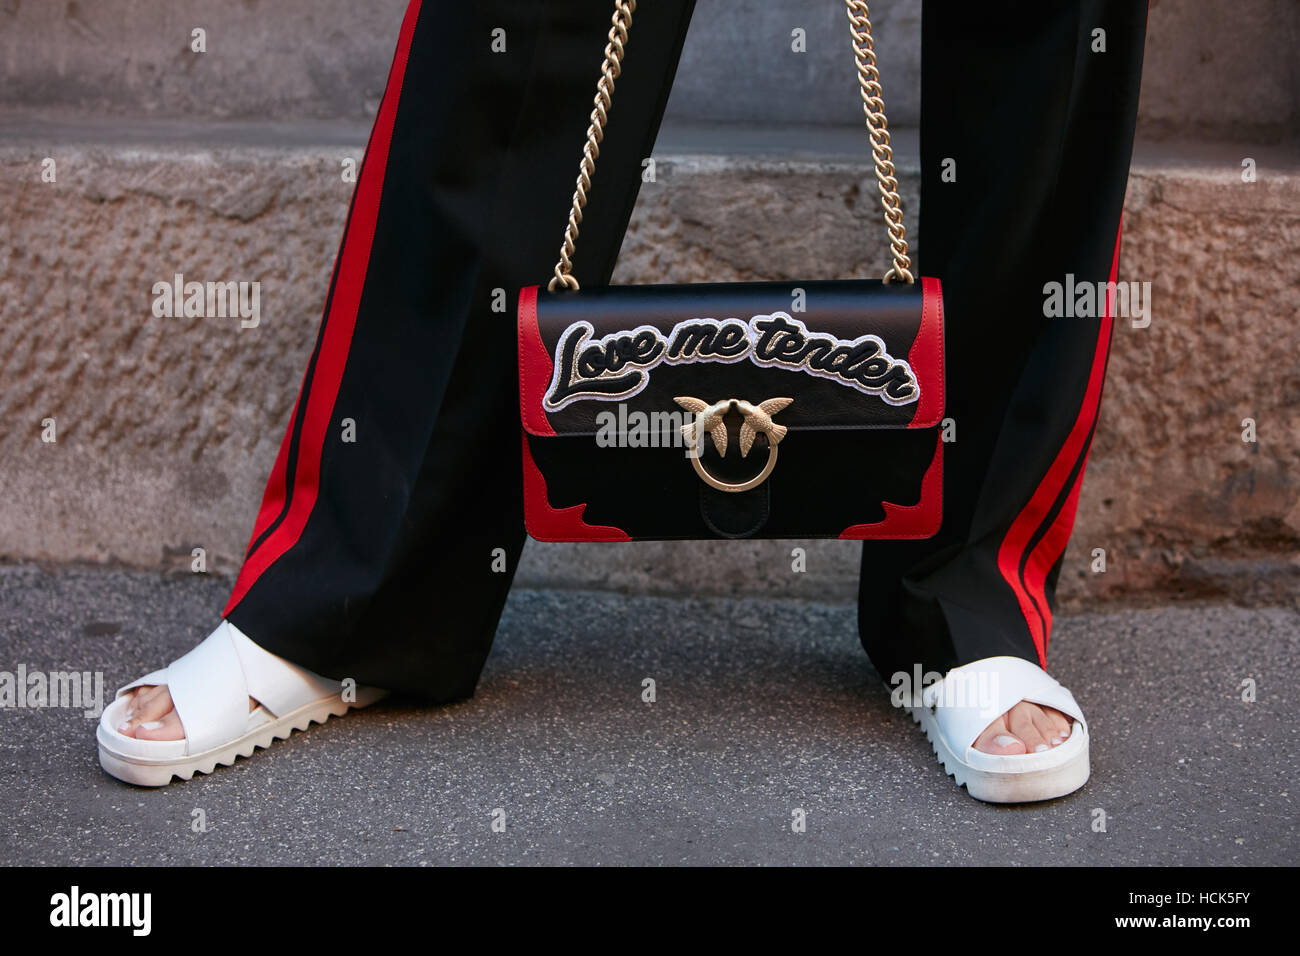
(150, 715)
(1025, 728)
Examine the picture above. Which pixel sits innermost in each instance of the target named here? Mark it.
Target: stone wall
(229, 169)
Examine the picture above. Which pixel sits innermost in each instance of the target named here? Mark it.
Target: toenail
(124, 726)
(151, 725)
(1005, 740)
(1040, 748)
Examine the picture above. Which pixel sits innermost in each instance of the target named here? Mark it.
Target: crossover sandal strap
(210, 687)
(972, 696)
(275, 683)
(209, 691)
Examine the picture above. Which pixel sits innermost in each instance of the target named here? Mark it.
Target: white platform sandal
(956, 710)
(210, 687)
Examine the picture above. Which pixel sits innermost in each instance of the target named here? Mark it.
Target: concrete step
(1212, 69)
(167, 429)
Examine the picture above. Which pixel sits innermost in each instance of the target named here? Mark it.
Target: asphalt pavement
(762, 708)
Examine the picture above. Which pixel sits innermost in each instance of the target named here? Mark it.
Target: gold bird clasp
(756, 420)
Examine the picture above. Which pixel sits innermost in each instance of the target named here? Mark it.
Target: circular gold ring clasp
(741, 486)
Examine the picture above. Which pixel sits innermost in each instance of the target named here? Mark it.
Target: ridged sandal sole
(158, 772)
(1006, 787)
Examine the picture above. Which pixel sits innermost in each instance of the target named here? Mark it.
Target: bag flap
(858, 354)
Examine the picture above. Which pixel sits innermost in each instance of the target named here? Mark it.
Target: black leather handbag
(802, 409)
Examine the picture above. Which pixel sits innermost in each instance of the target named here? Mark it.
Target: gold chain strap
(609, 71)
(873, 105)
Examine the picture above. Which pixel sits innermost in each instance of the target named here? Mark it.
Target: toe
(146, 716)
(167, 728)
(997, 740)
(1026, 728)
(1061, 724)
(1047, 726)
(1020, 721)
(139, 698)
(153, 706)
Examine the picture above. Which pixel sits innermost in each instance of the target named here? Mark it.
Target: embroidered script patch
(617, 366)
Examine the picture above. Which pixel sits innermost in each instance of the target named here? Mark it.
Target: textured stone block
(168, 427)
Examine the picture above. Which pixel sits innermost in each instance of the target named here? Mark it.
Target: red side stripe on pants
(274, 497)
(342, 320)
(1030, 589)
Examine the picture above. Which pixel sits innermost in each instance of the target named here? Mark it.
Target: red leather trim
(926, 356)
(921, 520)
(1029, 590)
(348, 286)
(564, 524)
(535, 366)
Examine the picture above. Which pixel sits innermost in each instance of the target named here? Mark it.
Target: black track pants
(1040, 129)
(373, 558)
